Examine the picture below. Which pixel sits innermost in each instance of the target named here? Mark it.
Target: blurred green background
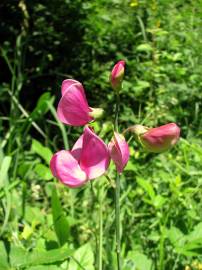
(45, 225)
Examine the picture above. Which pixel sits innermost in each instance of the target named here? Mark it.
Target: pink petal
(94, 156)
(73, 107)
(66, 168)
(66, 84)
(119, 151)
(77, 148)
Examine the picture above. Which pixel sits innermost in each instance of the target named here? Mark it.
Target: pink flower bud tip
(88, 159)
(161, 138)
(117, 74)
(119, 151)
(73, 108)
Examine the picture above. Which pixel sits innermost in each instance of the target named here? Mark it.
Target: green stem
(100, 231)
(116, 121)
(161, 248)
(117, 217)
(117, 194)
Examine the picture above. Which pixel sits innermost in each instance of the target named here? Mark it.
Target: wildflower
(119, 151)
(73, 108)
(88, 159)
(117, 74)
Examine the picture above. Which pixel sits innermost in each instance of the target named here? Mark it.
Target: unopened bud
(119, 151)
(161, 138)
(117, 74)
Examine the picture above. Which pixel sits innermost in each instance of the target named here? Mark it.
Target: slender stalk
(117, 218)
(116, 121)
(100, 230)
(161, 249)
(117, 194)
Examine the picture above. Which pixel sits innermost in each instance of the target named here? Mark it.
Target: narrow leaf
(60, 222)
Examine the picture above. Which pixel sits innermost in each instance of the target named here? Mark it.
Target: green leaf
(159, 201)
(49, 257)
(196, 233)
(137, 261)
(34, 215)
(144, 48)
(60, 222)
(44, 267)
(3, 257)
(84, 256)
(42, 105)
(193, 242)
(27, 232)
(20, 257)
(175, 236)
(188, 245)
(4, 167)
(43, 172)
(42, 151)
(142, 85)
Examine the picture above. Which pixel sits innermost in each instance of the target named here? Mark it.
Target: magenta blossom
(117, 74)
(161, 138)
(73, 106)
(119, 151)
(88, 159)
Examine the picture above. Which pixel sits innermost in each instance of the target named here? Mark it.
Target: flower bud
(161, 138)
(117, 74)
(119, 151)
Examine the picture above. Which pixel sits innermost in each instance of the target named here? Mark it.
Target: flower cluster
(90, 156)
(88, 159)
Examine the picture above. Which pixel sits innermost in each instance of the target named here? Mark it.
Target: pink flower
(161, 138)
(88, 159)
(117, 74)
(119, 151)
(73, 107)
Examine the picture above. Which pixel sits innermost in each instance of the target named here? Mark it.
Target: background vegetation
(45, 225)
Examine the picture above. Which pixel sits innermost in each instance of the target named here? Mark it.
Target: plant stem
(117, 217)
(116, 121)
(161, 248)
(117, 194)
(100, 230)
